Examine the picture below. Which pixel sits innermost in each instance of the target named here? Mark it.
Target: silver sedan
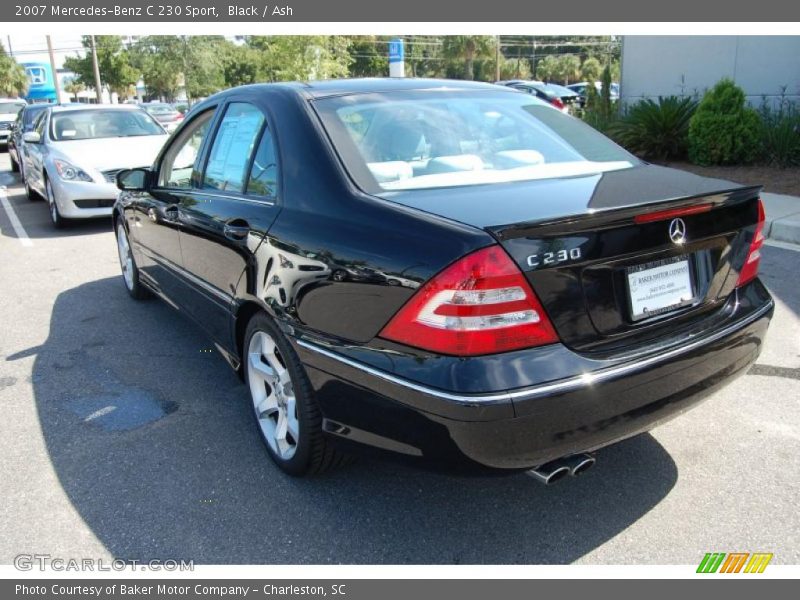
(74, 153)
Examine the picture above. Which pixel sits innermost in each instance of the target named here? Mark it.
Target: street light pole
(53, 69)
(97, 85)
(497, 58)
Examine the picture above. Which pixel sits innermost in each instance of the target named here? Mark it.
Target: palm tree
(73, 88)
(13, 80)
(467, 48)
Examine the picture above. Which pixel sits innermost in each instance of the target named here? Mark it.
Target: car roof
(340, 87)
(59, 108)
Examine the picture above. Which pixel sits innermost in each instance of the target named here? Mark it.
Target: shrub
(723, 130)
(656, 129)
(780, 133)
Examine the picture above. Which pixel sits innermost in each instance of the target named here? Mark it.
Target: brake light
(671, 213)
(750, 268)
(481, 304)
(557, 103)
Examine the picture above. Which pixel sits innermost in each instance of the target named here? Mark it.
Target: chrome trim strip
(242, 198)
(547, 388)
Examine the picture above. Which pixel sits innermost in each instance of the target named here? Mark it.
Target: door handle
(236, 232)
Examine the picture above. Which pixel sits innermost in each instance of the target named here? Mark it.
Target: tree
(13, 81)
(73, 88)
(548, 68)
(569, 68)
(241, 65)
(303, 57)
(591, 69)
(113, 60)
(369, 56)
(514, 68)
(202, 64)
(159, 60)
(465, 49)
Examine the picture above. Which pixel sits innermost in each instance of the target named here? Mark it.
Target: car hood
(105, 154)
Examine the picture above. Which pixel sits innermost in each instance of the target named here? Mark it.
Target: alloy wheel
(272, 393)
(125, 256)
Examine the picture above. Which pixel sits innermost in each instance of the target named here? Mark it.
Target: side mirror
(133, 180)
(31, 137)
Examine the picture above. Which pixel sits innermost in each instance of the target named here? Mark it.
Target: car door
(35, 154)
(227, 218)
(156, 214)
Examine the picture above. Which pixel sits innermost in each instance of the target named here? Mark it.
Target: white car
(9, 109)
(74, 153)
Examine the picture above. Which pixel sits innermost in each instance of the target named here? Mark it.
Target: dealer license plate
(659, 287)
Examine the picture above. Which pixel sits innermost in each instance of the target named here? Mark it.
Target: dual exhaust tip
(574, 465)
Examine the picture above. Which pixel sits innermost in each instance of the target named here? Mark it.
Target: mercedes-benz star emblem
(677, 231)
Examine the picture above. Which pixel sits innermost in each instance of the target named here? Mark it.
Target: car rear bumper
(526, 427)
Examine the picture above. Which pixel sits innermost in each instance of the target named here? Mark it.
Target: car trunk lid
(601, 253)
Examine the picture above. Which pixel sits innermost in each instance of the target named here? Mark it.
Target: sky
(33, 48)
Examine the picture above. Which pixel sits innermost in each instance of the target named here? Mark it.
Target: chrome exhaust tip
(550, 473)
(579, 464)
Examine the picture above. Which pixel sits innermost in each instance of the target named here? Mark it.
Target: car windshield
(11, 107)
(160, 109)
(429, 139)
(98, 123)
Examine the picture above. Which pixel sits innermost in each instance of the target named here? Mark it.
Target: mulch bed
(774, 179)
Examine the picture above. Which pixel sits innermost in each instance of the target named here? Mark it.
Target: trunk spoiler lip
(602, 218)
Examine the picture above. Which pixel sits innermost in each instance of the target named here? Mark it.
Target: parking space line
(22, 235)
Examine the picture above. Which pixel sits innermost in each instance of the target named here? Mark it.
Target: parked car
(557, 294)
(73, 153)
(580, 89)
(23, 123)
(540, 90)
(166, 114)
(568, 97)
(9, 109)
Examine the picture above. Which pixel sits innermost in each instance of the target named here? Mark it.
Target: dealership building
(763, 66)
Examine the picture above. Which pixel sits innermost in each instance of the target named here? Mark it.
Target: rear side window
(228, 164)
(263, 179)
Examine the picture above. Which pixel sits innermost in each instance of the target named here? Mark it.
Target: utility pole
(497, 58)
(97, 85)
(53, 69)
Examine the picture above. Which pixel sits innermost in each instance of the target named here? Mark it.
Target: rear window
(429, 139)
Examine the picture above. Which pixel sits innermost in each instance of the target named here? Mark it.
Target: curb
(783, 217)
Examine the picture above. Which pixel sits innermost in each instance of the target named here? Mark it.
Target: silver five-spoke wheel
(125, 256)
(272, 392)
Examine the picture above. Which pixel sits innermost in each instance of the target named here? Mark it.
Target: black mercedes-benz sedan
(447, 271)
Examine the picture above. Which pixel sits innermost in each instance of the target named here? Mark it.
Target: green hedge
(723, 129)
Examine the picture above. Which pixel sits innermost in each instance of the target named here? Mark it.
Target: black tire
(133, 286)
(14, 165)
(58, 221)
(314, 453)
(30, 194)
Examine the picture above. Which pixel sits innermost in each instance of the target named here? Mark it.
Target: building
(763, 66)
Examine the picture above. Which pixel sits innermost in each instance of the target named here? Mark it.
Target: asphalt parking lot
(123, 434)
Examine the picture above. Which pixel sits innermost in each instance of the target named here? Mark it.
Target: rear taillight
(557, 103)
(481, 304)
(750, 268)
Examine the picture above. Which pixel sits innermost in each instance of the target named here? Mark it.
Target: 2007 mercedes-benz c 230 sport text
(449, 271)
